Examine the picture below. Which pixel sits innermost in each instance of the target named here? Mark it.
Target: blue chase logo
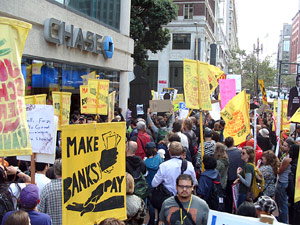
(107, 47)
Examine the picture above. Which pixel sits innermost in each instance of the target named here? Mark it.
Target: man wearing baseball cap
(29, 199)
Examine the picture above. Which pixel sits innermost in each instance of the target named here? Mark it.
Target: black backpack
(216, 197)
(6, 204)
(141, 187)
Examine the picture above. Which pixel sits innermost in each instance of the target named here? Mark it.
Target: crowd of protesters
(166, 173)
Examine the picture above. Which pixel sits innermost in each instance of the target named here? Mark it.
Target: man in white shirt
(40, 175)
(169, 170)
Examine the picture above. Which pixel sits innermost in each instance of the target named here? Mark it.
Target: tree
(146, 27)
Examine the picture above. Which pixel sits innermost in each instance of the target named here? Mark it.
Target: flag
(296, 117)
(216, 71)
(263, 91)
(236, 117)
(214, 74)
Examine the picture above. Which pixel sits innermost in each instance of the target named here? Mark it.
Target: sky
(263, 19)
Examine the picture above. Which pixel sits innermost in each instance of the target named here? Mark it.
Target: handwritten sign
(98, 96)
(160, 105)
(40, 119)
(62, 104)
(111, 106)
(83, 98)
(14, 136)
(93, 173)
(227, 91)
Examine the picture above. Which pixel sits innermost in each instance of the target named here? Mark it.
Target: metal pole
(196, 40)
(279, 78)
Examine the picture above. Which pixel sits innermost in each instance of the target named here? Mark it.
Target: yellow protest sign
(111, 106)
(179, 98)
(296, 117)
(93, 173)
(153, 94)
(196, 84)
(263, 91)
(285, 123)
(83, 98)
(236, 117)
(14, 133)
(98, 89)
(85, 78)
(61, 105)
(36, 99)
(248, 100)
(214, 73)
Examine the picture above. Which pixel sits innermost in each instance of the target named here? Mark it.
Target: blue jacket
(205, 182)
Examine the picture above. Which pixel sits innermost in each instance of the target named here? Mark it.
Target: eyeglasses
(184, 187)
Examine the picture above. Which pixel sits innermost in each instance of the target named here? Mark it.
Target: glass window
(176, 75)
(286, 46)
(181, 41)
(188, 11)
(104, 11)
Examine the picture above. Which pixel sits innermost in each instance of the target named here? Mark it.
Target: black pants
(229, 197)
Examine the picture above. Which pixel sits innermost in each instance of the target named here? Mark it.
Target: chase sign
(58, 32)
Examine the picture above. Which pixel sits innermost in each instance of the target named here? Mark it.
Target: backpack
(193, 146)
(216, 197)
(141, 187)
(161, 134)
(258, 183)
(6, 204)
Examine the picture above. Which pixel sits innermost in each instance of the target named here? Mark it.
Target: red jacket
(142, 140)
(258, 152)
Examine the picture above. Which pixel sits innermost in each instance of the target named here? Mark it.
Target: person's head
(220, 151)
(18, 217)
(229, 142)
(131, 148)
(150, 149)
(129, 184)
(57, 168)
(286, 145)
(248, 154)
(3, 175)
(111, 221)
(162, 123)
(29, 197)
(215, 136)
(50, 173)
(294, 152)
(247, 209)
(41, 167)
(269, 158)
(207, 132)
(264, 132)
(209, 162)
(222, 124)
(184, 186)
(141, 126)
(174, 137)
(298, 81)
(175, 148)
(188, 124)
(176, 127)
(82, 119)
(265, 205)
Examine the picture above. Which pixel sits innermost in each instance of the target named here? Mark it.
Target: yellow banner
(111, 106)
(93, 173)
(14, 133)
(85, 78)
(297, 183)
(213, 76)
(263, 91)
(36, 99)
(63, 113)
(98, 89)
(296, 117)
(83, 98)
(153, 94)
(196, 84)
(236, 117)
(285, 123)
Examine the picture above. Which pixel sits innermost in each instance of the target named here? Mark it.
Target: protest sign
(98, 96)
(183, 111)
(62, 104)
(238, 81)
(263, 91)
(215, 112)
(221, 218)
(248, 100)
(85, 78)
(216, 71)
(40, 119)
(36, 99)
(227, 91)
(139, 109)
(236, 117)
(111, 106)
(295, 118)
(285, 123)
(179, 98)
(93, 173)
(160, 105)
(212, 79)
(14, 135)
(83, 98)
(235, 194)
(40, 157)
(196, 85)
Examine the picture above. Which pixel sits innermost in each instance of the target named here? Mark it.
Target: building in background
(67, 41)
(294, 43)
(209, 24)
(284, 48)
